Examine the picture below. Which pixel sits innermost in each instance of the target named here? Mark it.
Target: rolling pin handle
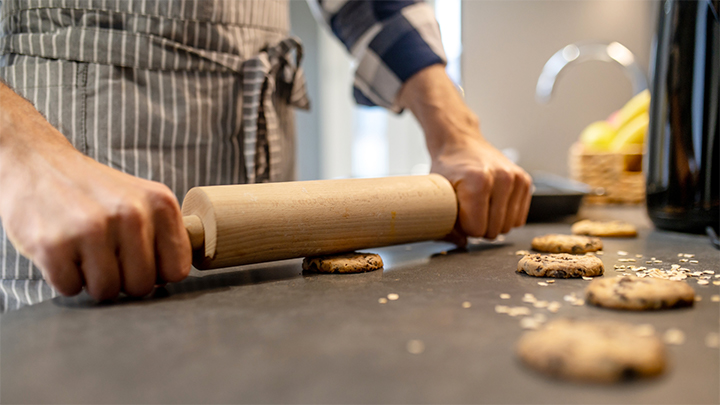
(195, 230)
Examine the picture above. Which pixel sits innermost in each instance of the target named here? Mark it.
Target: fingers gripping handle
(195, 231)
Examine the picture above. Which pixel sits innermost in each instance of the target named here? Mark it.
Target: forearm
(440, 109)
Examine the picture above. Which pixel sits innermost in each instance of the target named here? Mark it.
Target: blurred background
(496, 51)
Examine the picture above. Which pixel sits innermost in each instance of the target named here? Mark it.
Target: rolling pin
(253, 223)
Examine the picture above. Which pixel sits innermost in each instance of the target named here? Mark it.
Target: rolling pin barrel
(254, 223)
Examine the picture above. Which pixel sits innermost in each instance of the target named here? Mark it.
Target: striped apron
(183, 92)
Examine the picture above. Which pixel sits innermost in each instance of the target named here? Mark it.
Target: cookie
(560, 265)
(592, 351)
(604, 228)
(639, 294)
(354, 262)
(555, 243)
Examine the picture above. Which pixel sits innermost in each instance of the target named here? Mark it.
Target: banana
(598, 136)
(637, 105)
(631, 133)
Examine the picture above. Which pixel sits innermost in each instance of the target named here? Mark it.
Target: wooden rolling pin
(254, 223)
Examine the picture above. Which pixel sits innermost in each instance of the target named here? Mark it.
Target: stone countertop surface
(268, 333)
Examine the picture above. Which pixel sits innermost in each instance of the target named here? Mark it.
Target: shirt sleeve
(390, 41)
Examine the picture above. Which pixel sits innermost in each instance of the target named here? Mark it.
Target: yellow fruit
(631, 133)
(637, 105)
(598, 135)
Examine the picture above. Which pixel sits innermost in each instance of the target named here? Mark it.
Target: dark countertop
(269, 334)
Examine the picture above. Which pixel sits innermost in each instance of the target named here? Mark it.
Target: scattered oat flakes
(626, 260)
(529, 298)
(522, 253)
(683, 260)
(599, 253)
(554, 306)
(587, 278)
(644, 330)
(541, 304)
(703, 282)
(698, 298)
(502, 309)
(716, 282)
(622, 253)
(518, 311)
(674, 337)
(715, 298)
(708, 272)
(543, 284)
(688, 255)
(382, 300)
(393, 296)
(415, 346)
(712, 340)
(578, 303)
(529, 323)
(466, 304)
(550, 281)
(505, 296)
(638, 255)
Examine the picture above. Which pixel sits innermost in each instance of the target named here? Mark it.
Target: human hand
(81, 222)
(493, 193)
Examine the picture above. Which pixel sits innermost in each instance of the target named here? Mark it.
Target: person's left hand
(493, 193)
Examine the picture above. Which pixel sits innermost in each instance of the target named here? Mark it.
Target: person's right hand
(81, 222)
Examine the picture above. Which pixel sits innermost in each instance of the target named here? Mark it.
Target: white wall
(506, 44)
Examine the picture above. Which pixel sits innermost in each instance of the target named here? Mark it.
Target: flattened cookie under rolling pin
(561, 265)
(593, 351)
(354, 262)
(556, 243)
(639, 294)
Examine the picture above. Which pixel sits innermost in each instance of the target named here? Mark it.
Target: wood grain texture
(256, 223)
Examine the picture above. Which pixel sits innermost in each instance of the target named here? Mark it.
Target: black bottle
(682, 168)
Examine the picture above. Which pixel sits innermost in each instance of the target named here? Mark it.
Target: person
(110, 111)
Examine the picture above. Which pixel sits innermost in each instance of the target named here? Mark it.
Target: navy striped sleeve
(390, 40)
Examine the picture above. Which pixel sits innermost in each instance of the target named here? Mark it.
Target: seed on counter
(382, 300)
(716, 282)
(717, 276)
(645, 330)
(502, 309)
(657, 261)
(587, 278)
(578, 303)
(522, 253)
(715, 298)
(519, 311)
(554, 306)
(543, 284)
(415, 346)
(698, 298)
(529, 323)
(599, 253)
(708, 272)
(626, 260)
(703, 282)
(638, 255)
(529, 298)
(683, 260)
(392, 296)
(688, 255)
(622, 253)
(570, 297)
(694, 262)
(674, 337)
(541, 304)
(540, 317)
(712, 340)
(466, 304)
(551, 281)
(505, 296)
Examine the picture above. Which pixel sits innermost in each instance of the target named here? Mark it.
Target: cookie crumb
(466, 304)
(505, 296)
(529, 323)
(382, 300)
(415, 346)
(543, 284)
(645, 329)
(518, 311)
(698, 298)
(622, 253)
(715, 298)
(392, 296)
(703, 282)
(554, 306)
(674, 337)
(541, 304)
(502, 309)
(587, 278)
(529, 298)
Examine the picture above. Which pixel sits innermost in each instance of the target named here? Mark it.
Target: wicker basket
(615, 178)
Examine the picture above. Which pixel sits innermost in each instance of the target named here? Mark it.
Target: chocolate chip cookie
(593, 351)
(354, 262)
(639, 294)
(604, 228)
(556, 243)
(560, 265)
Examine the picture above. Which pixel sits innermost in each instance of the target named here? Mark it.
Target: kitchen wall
(506, 44)
(504, 47)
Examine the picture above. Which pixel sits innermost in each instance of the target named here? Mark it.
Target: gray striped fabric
(187, 93)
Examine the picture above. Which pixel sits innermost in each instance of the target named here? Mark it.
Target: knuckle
(140, 288)
(102, 291)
